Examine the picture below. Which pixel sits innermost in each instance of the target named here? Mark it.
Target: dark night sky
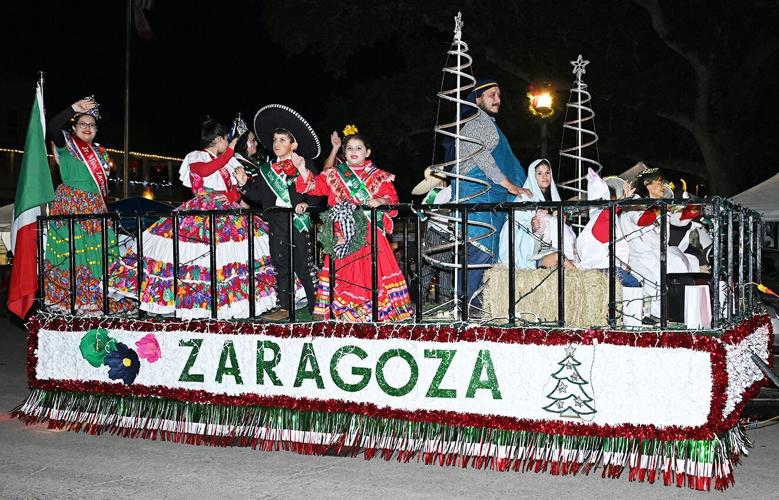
(204, 57)
(219, 58)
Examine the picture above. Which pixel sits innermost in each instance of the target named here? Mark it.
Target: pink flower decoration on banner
(149, 348)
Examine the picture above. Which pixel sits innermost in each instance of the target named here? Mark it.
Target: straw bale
(586, 295)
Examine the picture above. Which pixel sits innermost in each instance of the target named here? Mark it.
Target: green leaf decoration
(94, 346)
(327, 232)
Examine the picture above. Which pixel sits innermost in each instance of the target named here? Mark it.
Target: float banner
(665, 385)
(658, 405)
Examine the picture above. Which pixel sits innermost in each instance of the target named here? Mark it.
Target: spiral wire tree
(464, 82)
(580, 123)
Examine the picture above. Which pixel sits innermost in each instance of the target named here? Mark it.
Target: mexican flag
(34, 189)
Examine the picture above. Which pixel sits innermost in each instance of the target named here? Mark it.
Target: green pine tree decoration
(569, 398)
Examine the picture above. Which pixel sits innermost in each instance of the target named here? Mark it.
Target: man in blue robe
(493, 163)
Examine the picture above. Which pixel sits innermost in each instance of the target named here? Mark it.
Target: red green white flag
(33, 190)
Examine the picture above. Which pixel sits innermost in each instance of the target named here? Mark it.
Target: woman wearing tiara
(248, 151)
(641, 226)
(209, 173)
(84, 167)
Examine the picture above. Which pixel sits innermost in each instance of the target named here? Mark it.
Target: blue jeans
(474, 256)
(625, 278)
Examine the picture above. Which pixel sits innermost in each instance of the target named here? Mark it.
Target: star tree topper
(578, 67)
(458, 26)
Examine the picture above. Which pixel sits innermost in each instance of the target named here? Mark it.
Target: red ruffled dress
(353, 289)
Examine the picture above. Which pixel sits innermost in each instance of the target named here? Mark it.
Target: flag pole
(40, 82)
(43, 110)
(126, 158)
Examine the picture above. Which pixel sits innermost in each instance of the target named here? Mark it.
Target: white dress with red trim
(192, 297)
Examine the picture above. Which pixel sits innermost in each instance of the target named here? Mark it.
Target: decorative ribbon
(343, 214)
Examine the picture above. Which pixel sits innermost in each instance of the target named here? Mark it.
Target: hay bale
(586, 295)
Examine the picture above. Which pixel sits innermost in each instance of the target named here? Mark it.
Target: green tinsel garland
(327, 232)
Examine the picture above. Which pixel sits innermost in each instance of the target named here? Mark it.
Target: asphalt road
(38, 463)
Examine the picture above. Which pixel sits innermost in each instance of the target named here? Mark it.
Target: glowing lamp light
(148, 193)
(541, 103)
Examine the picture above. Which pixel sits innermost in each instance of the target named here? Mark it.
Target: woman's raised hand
(240, 176)
(628, 189)
(83, 105)
(233, 143)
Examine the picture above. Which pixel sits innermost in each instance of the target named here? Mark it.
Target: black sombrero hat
(276, 116)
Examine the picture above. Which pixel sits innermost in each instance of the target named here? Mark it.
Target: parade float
(654, 404)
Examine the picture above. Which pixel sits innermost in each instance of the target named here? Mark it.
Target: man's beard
(487, 110)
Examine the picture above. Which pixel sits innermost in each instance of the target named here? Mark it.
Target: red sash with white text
(87, 154)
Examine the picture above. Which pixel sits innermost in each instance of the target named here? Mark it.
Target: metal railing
(735, 253)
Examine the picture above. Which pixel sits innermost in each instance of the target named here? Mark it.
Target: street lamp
(541, 106)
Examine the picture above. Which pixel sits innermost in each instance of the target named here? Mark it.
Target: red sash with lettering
(226, 178)
(87, 154)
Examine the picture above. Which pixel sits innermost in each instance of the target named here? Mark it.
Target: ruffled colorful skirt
(352, 299)
(192, 297)
(88, 245)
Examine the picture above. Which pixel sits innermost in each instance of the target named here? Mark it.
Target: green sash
(353, 183)
(280, 189)
(357, 189)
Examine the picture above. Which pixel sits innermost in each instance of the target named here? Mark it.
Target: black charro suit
(257, 192)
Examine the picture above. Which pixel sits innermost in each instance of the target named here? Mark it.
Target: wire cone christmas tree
(579, 128)
(456, 95)
(569, 398)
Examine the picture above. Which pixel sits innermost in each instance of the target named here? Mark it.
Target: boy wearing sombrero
(284, 132)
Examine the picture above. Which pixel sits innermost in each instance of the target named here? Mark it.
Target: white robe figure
(592, 244)
(642, 232)
(526, 244)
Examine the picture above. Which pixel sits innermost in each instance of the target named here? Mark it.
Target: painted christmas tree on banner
(569, 398)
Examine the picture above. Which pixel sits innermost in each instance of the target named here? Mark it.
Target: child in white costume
(642, 232)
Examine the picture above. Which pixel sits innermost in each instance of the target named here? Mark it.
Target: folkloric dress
(210, 178)
(353, 290)
(84, 170)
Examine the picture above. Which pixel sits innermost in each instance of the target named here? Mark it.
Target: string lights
(145, 156)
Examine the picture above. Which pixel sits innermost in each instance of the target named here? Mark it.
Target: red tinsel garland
(430, 333)
(713, 345)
